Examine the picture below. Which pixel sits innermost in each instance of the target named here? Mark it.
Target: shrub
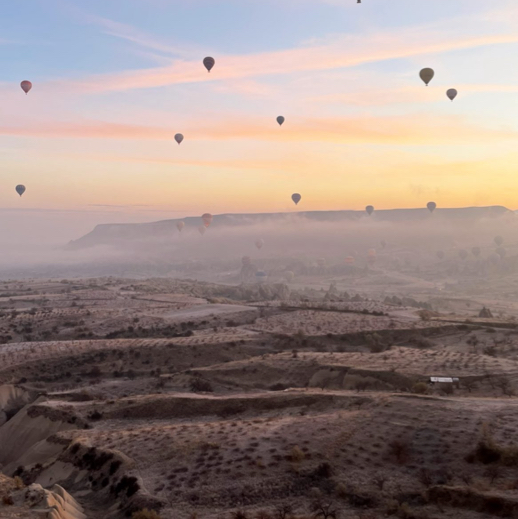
(145, 514)
(7, 501)
(421, 388)
(200, 385)
(296, 454)
(399, 450)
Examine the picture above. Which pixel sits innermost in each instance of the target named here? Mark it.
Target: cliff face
(110, 234)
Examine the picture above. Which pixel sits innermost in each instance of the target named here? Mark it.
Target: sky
(114, 81)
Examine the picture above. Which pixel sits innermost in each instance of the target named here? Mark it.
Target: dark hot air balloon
(296, 198)
(209, 63)
(178, 138)
(431, 206)
(426, 75)
(498, 241)
(452, 94)
(280, 120)
(26, 86)
(20, 189)
(369, 209)
(259, 243)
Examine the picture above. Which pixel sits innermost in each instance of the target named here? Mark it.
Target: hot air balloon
(20, 189)
(178, 138)
(498, 241)
(350, 260)
(463, 254)
(246, 260)
(259, 243)
(452, 94)
(431, 206)
(369, 209)
(280, 120)
(201, 230)
(475, 251)
(427, 75)
(440, 254)
(321, 262)
(209, 63)
(207, 219)
(26, 86)
(296, 198)
(180, 226)
(289, 275)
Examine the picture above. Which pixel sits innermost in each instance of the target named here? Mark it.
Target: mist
(38, 244)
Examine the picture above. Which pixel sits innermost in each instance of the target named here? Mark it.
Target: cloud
(335, 52)
(415, 129)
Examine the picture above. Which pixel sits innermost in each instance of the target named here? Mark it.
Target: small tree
(324, 509)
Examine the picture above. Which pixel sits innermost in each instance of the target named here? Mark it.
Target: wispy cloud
(343, 51)
(415, 129)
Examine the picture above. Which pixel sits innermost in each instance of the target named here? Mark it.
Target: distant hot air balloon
(246, 260)
(178, 138)
(350, 260)
(280, 120)
(431, 206)
(463, 254)
(207, 219)
(296, 198)
(475, 251)
(440, 254)
(180, 226)
(259, 243)
(452, 94)
(371, 255)
(209, 63)
(20, 189)
(26, 86)
(427, 75)
(321, 262)
(369, 209)
(289, 275)
(498, 241)
(201, 230)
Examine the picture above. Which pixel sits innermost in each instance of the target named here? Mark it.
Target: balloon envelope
(369, 209)
(20, 189)
(452, 94)
(427, 75)
(289, 275)
(26, 86)
(180, 226)
(463, 254)
(440, 254)
(259, 243)
(280, 120)
(207, 219)
(209, 63)
(475, 251)
(296, 198)
(201, 230)
(178, 138)
(349, 260)
(498, 240)
(431, 206)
